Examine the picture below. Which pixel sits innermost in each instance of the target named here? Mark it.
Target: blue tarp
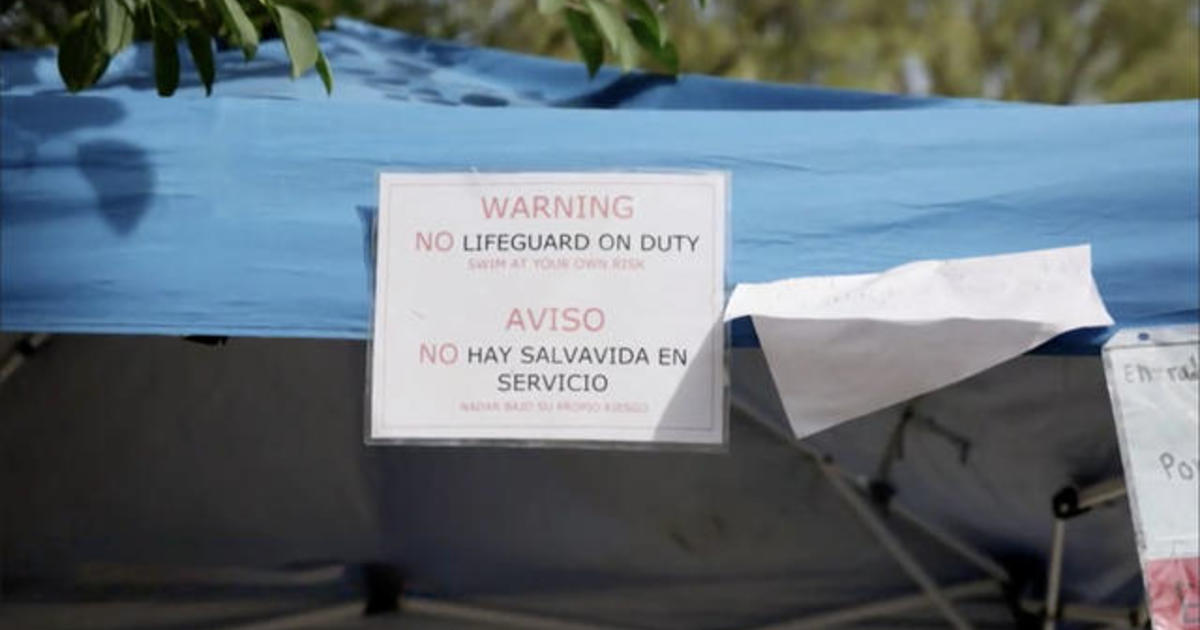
(247, 213)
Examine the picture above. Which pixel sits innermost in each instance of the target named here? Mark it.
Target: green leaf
(669, 57)
(166, 58)
(200, 44)
(118, 26)
(616, 32)
(645, 15)
(241, 29)
(550, 7)
(587, 39)
(81, 57)
(162, 10)
(664, 54)
(325, 71)
(298, 38)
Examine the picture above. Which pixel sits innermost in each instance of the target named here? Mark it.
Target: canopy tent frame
(1067, 504)
(850, 490)
(854, 491)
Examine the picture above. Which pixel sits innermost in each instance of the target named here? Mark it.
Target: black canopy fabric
(128, 458)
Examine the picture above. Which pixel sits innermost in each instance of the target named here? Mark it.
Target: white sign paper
(1154, 382)
(840, 347)
(549, 306)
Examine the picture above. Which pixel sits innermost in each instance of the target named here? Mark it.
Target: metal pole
(867, 514)
(340, 613)
(882, 608)
(464, 612)
(1109, 616)
(1102, 493)
(869, 517)
(1054, 574)
(319, 617)
(24, 348)
(953, 543)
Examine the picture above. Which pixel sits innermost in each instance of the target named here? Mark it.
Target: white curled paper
(840, 347)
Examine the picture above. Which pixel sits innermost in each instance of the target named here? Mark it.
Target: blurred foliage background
(1054, 51)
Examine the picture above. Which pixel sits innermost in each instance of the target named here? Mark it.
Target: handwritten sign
(549, 306)
(1154, 381)
(840, 347)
